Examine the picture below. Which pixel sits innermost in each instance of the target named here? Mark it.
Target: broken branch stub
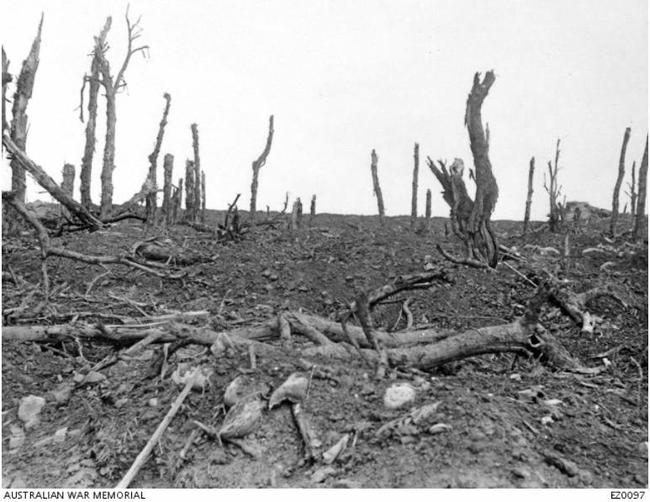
(257, 165)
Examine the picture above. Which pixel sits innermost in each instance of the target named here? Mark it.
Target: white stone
(398, 395)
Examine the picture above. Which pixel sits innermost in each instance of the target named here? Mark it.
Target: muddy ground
(511, 421)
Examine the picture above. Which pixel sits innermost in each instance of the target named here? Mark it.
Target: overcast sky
(344, 77)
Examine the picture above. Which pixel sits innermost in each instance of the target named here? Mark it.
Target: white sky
(342, 78)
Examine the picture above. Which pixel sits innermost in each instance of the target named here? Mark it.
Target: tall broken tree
(202, 196)
(196, 190)
(190, 209)
(312, 210)
(639, 219)
(632, 193)
(414, 186)
(376, 188)
(168, 168)
(619, 181)
(6, 78)
(111, 88)
(554, 191)
(153, 162)
(93, 92)
(529, 196)
(257, 165)
(470, 220)
(24, 89)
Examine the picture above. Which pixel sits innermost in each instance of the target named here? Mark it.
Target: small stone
(515, 376)
(322, 474)
(642, 448)
(439, 428)
(266, 273)
(585, 477)
(153, 402)
(274, 277)
(59, 435)
(62, 393)
(30, 409)
(398, 395)
(521, 472)
(349, 278)
(547, 420)
(17, 437)
(429, 266)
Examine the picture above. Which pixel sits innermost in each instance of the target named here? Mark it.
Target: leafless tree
(619, 181)
(257, 165)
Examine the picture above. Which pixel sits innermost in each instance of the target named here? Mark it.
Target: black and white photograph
(324, 244)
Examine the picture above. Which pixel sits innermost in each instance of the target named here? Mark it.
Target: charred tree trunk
(487, 190)
(427, 212)
(554, 191)
(632, 193)
(529, 197)
(189, 190)
(6, 78)
(153, 162)
(470, 220)
(257, 165)
(376, 186)
(24, 88)
(639, 219)
(111, 88)
(202, 196)
(168, 168)
(312, 210)
(197, 172)
(414, 186)
(93, 82)
(619, 181)
(178, 199)
(67, 185)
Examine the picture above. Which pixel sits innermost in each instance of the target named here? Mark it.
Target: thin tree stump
(168, 168)
(529, 196)
(639, 219)
(257, 165)
(151, 201)
(376, 186)
(619, 181)
(414, 186)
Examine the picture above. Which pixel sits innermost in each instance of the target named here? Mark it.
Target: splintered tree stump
(639, 219)
(376, 187)
(67, 185)
(529, 195)
(196, 189)
(168, 168)
(91, 124)
(619, 181)
(151, 201)
(189, 190)
(19, 127)
(414, 186)
(257, 165)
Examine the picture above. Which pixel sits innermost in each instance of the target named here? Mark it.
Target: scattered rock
(566, 466)
(642, 448)
(17, 438)
(30, 409)
(335, 451)
(398, 395)
(521, 472)
(322, 474)
(294, 390)
(439, 428)
(59, 435)
(90, 378)
(153, 402)
(62, 393)
(585, 477)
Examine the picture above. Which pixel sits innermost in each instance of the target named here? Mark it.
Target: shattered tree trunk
(168, 168)
(257, 165)
(639, 219)
(427, 212)
(632, 194)
(151, 203)
(529, 196)
(312, 210)
(376, 187)
(554, 191)
(470, 220)
(6, 78)
(617, 185)
(414, 186)
(178, 200)
(189, 190)
(203, 197)
(44, 180)
(24, 88)
(85, 174)
(296, 215)
(111, 87)
(67, 185)
(196, 189)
